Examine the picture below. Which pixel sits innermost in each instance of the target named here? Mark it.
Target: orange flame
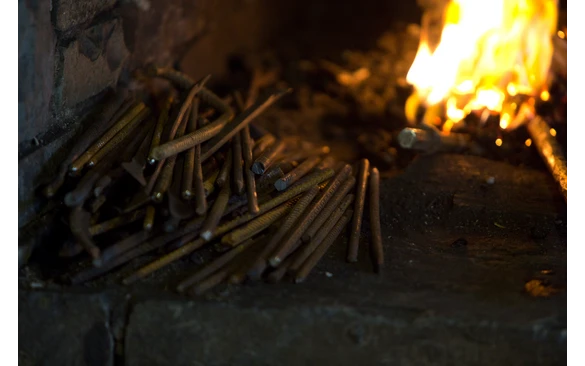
(489, 51)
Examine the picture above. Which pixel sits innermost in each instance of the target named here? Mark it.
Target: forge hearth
(461, 257)
(474, 237)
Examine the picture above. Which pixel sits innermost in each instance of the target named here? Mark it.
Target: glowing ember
(489, 52)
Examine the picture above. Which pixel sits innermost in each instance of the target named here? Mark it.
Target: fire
(489, 53)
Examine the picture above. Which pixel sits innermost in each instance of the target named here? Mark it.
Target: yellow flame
(553, 132)
(447, 126)
(489, 50)
(499, 142)
(528, 142)
(505, 120)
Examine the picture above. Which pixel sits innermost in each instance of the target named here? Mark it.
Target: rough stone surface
(435, 302)
(63, 329)
(452, 190)
(193, 333)
(71, 13)
(161, 31)
(36, 45)
(92, 63)
(33, 171)
(454, 290)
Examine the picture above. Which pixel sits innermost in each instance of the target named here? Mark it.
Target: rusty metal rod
(237, 165)
(312, 212)
(550, 151)
(148, 222)
(242, 120)
(297, 173)
(125, 257)
(201, 135)
(121, 136)
(164, 181)
(428, 139)
(320, 251)
(323, 232)
(135, 164)
(216, 212)
(268, 157)
(335, 201)
(255, 226)
(116, 222)
(377, 250)
(278, 273)
(198, 186)
(300, 207)
(164, 260)
(214, 265)
(224, 173)
(358, 211)
(174, 145)
(299, 188)
(116, 106)
(85, 186)
(249, 175)
(187, 184)
(163, 118)
(215, 279)
(128, 117)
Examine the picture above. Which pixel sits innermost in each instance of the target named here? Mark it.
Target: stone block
(63, 329)
(92, 63)
(71, 13)
(195, 333)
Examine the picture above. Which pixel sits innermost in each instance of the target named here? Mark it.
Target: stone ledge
(190, 333)
(435, 302)
(63, 329)
(60, 328)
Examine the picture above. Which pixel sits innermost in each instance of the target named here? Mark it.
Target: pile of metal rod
(270, 207)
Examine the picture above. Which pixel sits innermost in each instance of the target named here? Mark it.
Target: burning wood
(490, 57)
(487, 53)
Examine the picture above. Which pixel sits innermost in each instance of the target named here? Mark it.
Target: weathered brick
(36, 46)
(71, 13)
(92, 63)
